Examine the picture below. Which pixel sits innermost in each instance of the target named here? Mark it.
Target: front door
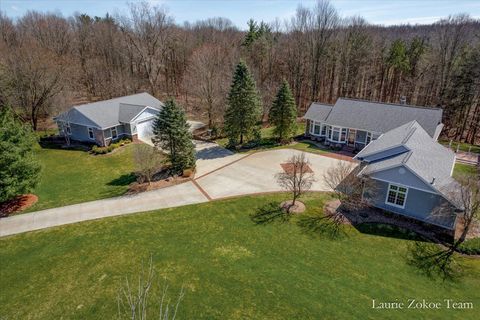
(351, 137)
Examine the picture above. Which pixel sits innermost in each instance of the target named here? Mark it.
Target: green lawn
(72, 176)
(231, 268)
(464, 169)
(268, 142)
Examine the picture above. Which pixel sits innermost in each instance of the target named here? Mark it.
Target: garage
(144, 130)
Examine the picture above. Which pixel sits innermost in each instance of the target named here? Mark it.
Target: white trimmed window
(338, 134)
(396, 196)
(68, 130)
(114, 133)
(368, 138)
(90, 133)
(316, 128)
(324, 130)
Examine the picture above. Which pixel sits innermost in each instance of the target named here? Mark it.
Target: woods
(49, 62)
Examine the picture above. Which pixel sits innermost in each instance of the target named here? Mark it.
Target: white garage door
(144, 130)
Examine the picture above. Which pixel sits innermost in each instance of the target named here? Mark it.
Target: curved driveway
(220, 174)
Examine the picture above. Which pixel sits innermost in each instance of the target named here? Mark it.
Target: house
(411, 175)
(105, 121)
(410, 172)
(352, 123)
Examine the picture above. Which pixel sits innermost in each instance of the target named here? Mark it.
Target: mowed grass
(73, 176)
(464, 169)
(230, 267)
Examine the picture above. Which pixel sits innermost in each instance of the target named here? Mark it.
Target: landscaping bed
(17, 204)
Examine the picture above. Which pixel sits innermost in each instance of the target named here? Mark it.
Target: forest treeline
(48, 62)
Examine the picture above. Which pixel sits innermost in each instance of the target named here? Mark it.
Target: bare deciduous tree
(297, 177)
(134, 298)
(148, 161)
(347, 186)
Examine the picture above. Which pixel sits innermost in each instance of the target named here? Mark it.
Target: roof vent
(403, 100)
(433, 181)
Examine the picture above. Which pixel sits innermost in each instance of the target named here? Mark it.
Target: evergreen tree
(19, 170)
(283, 114)
(171, 133)
(243, 110)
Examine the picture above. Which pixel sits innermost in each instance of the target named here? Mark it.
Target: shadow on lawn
(330, 226)
(269, 213)
(387, 231)
(123, 180)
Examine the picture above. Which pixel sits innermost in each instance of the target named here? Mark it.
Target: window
(368, 138)
(114, 133)
(338, 134)
(324, 130)
(90, 133)
(316, 129)
(67, 128)
(396, 196)
(343, 137)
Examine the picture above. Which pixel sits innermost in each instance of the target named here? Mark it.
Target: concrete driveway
(256, 173)
(221, 173)
(174, 196)
(210, 157)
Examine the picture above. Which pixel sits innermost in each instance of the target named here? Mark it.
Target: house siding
(404, 177)
(420, 205)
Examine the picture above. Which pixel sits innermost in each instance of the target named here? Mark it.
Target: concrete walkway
(174, 196)
(220, 174)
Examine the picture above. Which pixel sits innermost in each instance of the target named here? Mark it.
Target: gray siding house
(105, 121)
(398, 152)
(352, 123)
(412, 175)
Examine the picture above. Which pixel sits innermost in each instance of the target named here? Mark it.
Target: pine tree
(243, 110)
(19, 170)
(171, 133)
(283, 114)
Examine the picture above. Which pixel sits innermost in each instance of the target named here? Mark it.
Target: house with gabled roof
(353, 123)
(398, 151)
(105, 121)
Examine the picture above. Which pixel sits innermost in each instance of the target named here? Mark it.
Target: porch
(351, 140)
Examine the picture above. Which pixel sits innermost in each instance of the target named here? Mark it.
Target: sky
(386, 12)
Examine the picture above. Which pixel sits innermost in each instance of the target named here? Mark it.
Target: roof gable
(109, 113)
(318, 111)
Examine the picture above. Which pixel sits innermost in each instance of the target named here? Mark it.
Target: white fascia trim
(147, 107)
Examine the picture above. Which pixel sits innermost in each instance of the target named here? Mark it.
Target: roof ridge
(392, 104)
(112, 99)
(409, 154)
(409, 134)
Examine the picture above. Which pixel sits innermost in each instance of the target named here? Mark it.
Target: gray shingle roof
(109, 113)
(428, 159)
(379, 117)
(318, 111)
(389, 140)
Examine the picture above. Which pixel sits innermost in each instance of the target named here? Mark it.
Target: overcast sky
(239, 11)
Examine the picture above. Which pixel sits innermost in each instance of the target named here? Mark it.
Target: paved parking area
(220, 174)
(210, 157)
(256, 173)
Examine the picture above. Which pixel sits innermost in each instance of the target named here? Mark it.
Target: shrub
(470, 247)
(104, 150)
(187, 173)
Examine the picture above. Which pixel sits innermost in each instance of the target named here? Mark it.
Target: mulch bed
(289, 167)
(299, 207)
(372, 215)
(154, 185)
(17, 204)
